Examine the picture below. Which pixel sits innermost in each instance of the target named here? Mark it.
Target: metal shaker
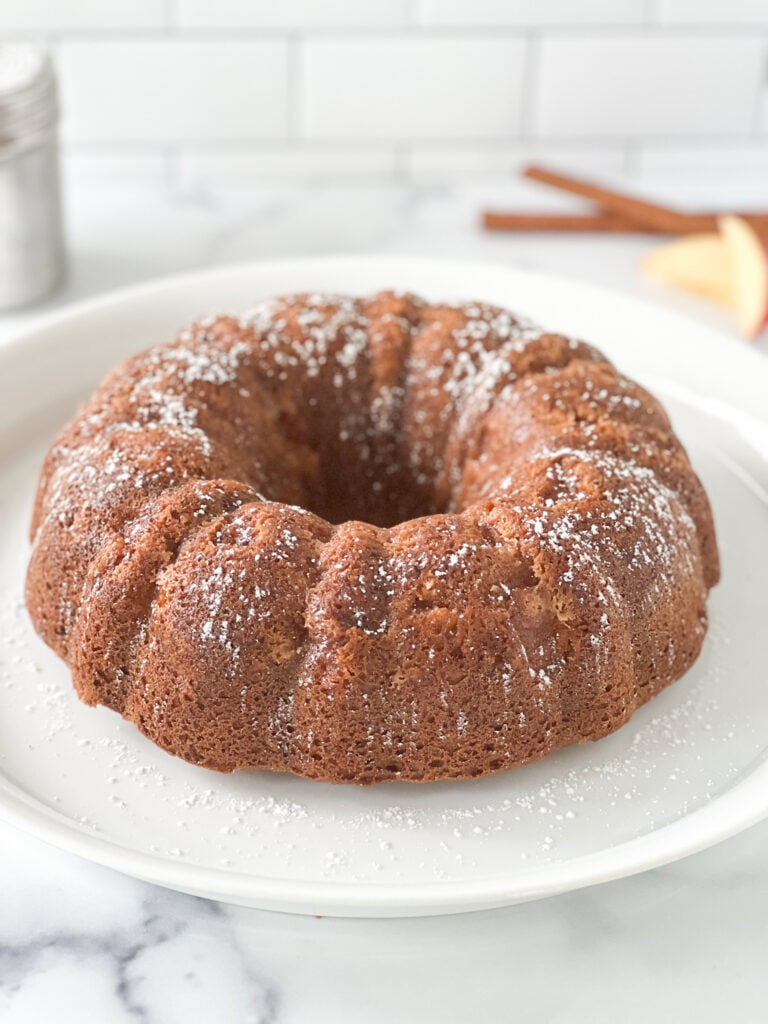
(31, 237)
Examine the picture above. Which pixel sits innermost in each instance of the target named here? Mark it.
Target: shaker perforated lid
(27, 93)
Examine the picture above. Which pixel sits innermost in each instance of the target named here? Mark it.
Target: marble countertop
(78, 942)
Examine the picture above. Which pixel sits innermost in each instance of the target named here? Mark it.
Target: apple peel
(748, 263)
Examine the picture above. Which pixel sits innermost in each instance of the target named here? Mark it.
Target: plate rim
(24, 334)
(366, 899)
(740, 807)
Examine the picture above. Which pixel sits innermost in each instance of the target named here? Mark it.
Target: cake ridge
(159, 520)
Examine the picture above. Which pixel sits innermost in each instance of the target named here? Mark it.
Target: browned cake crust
(522, 556)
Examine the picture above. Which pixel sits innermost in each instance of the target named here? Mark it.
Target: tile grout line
(761, 100)
(632, 157)
(402, 169)
(294, 70)
(172, 156)
(530, 88)
(639, 29)
(171, 19)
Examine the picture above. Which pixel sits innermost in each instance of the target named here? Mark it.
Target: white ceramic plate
(687, 771)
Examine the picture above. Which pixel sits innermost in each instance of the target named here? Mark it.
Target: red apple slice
(696, 263)
(748, 273)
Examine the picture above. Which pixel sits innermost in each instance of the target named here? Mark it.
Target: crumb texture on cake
(367, 539)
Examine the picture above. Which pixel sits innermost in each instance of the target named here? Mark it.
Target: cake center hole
(348, 492)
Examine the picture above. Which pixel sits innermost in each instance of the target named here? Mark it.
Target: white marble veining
(79, 942)
(683, 943)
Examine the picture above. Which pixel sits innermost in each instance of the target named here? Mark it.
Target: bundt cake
(371, 539)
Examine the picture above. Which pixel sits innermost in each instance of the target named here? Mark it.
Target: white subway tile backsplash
(52, 15)
(291, 14)
(713, 12)
(442, 163)
(536, 13)
(430, 90)
(116, 165)
(169, 91)
(723, 192)
(630, 86)
(406, 88)
(739, 161)
(307, 164)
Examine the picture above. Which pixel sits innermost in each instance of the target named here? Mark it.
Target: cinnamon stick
(601, 221)
(652, 216)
